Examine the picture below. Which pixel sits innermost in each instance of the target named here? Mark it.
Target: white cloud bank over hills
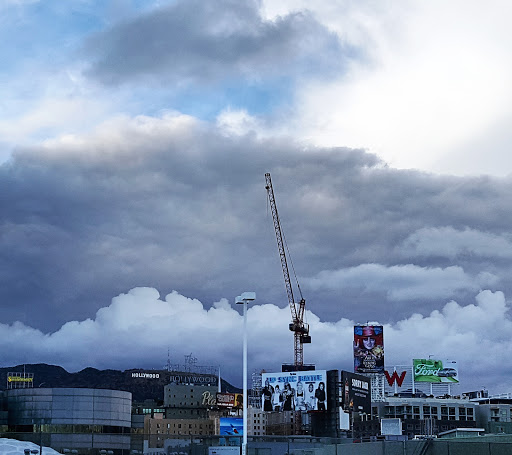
(142, 325)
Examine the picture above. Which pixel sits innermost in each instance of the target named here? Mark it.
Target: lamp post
(243, 299)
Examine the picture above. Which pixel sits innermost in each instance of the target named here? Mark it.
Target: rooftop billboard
(368, 349)
(356, 393)
(230, 400)
(294, 391)
(430, 370)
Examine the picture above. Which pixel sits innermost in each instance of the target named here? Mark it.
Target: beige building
(256, 422)
(158, 428)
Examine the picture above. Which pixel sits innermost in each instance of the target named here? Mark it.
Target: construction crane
(297, 326)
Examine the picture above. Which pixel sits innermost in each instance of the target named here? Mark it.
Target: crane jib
(297, 326)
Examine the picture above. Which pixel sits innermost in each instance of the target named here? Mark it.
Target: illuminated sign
(19, 379)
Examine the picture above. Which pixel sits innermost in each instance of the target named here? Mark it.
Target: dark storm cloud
(207, 41)
(172, 204)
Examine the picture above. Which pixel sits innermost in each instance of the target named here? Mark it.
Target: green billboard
(430, 370)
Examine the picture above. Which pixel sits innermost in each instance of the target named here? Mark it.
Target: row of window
(158, 425)
(435, 412)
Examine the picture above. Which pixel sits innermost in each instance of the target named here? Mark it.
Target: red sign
(394, 377)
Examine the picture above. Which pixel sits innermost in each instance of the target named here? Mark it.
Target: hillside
(141, 388)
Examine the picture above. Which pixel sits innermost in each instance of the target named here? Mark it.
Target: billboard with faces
(294, 391)
(368, 349)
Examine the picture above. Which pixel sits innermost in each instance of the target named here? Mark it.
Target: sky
(134, 141)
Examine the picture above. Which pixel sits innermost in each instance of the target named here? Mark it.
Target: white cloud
(401, 282)
(237, 122)
(432, 79)
(139, 324)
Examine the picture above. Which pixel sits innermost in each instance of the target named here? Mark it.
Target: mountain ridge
(141, 388)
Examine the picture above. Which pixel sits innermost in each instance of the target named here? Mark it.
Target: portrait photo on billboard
(368, 349)
(294, 391)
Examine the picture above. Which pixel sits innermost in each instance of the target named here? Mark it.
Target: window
(390, 411)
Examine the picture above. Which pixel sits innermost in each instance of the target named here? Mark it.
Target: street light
(243, 299)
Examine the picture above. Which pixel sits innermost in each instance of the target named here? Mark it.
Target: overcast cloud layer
(134, 139)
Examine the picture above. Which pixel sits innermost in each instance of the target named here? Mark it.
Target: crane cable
(288, 254)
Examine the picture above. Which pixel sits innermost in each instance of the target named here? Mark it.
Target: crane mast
(297, 326)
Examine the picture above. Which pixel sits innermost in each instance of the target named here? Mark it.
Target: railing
(159, 444)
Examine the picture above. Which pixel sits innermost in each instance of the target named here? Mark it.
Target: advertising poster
(225, 400)
(430, 370)
(294, 391)
(230, 400)
(368, 349)
(356, 393)
(231, 426)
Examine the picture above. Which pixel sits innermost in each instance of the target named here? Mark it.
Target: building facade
(420, 416)
(71, 418)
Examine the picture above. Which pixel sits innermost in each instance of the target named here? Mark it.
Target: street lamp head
(245, 297)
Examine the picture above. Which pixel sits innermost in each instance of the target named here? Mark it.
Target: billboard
(294, 391)
(430, 370)
(368, 349)
(230, 400)
(20, 380)
(231, 426)
(356, 396)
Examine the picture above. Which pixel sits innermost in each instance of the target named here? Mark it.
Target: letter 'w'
(394, 377)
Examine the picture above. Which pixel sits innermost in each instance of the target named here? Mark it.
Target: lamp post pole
(243, 299)
(244, 444)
